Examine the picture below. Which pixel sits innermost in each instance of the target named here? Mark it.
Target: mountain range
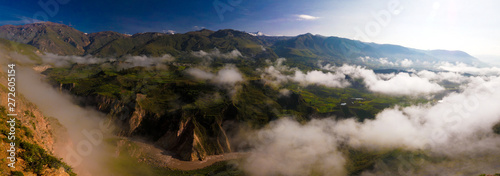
(305, 49)
(223, 89)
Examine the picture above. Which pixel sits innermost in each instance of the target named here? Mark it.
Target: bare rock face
(191, 141)
(137, 116)
(177, 132)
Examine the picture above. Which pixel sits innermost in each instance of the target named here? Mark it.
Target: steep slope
(192, 119)
(48, 37)
(36, 136)
(123, 46)
(453, 56)
(305, 49)
(308, 49)
(271, 40)
(100, 39)
(157, 44)
(64, 40)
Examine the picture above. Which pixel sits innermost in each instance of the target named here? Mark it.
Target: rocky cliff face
(187, 138)
(190, 119)
(191, 140)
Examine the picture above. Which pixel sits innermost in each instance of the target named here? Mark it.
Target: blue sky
(471, 26)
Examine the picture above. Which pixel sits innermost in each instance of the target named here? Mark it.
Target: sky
(470, 26)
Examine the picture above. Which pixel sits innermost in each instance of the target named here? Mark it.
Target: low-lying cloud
(464, 68)
(403, 84)
(215, 53)
(124, 62)
(333, 76)
(85, 148)
(227, 78)
(459, 129)
(444, 76)
(319, 78)
(393, 84)
(144, 61)
(386, 63)
(289, 148)
(229, 75)
(62, 61)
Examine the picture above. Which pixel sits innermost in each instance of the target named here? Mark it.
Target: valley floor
(155, 156)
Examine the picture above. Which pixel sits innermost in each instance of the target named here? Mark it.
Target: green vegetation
(304, 51)
(170, 96)
(37, 159)
(171, 102)
(19, 48)
(360, 160)
(351, 102)
(49, 37)
(496, 128)
(16, 173)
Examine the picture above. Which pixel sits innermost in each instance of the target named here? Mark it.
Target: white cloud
(464, 68)
(457, 130)
(391, 84)
(319, 78)
(463, 118)
(200, 74)
(59, 61)
(145, 61)
(217, 54)
(443, 76)
(285, 92)
(227, 76)
(406, 63)
(126, 62)
(397, 84)
(289, 148)
(384, 61)
(272, 75)
(306, 17)
(405, 84)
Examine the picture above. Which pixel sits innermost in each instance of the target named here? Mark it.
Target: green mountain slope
(48, 37)
(193, 118)
(35, 135)
(305, 50)
(100, 39)
(309, 49)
